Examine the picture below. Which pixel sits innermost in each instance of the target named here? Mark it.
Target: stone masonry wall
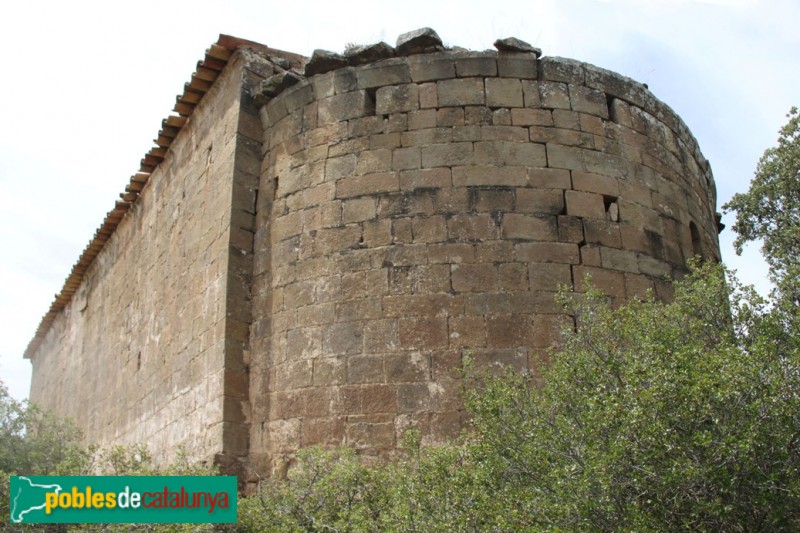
(151, 348)
(316, 255)
(418, 209)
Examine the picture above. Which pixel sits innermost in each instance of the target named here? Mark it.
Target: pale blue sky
(86, 85)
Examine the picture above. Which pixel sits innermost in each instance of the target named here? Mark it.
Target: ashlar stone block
(499, 153)
(461, 92)
(586, 100)
(503, 92)
(553, 95)
(474, 277)
(344, 107)
(517, 65)
(585, 204)
(540, 201)
(397, 99)
(526, 227)
(431, 67)
(476, 64)
(386, 72)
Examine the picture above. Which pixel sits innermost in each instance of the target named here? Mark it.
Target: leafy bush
(655, 417)
(33, 441)
(328, 490)
(769, 212)
(36, 442)
(652, 417)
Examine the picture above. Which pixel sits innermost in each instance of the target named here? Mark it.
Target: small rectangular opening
(612, 208)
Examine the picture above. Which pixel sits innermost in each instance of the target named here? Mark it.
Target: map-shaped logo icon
(28, 498)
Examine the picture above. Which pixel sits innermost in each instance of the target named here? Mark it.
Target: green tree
(770, 211)
(680, 416)
(36, 442)
(327, 490)
(427, 489)
(653, 417)
(32, 440)
(440, 488)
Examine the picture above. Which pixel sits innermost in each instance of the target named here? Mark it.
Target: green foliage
(428, 489)
(36, 442)
(680, 416)
(654, 417)
(770, 211)
(328, 490)
(33, 441)
(437, 489)
(117, 460)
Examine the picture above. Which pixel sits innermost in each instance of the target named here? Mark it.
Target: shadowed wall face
(150, 348)
(415, 210)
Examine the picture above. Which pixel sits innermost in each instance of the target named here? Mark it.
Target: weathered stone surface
(526, 227)
(503, 92)
(282, 62)
(585, 100)
(475, 64)
(562, 70)
(273, 86)
(467, 91)
(584, 204)
(176, 379)
(345, 106)
(382, 73)
(554, 95)
(431, 67)
(323, 61)
(418, 41)
(512, 44)
(397, 99)
(518, 65)
(369, 53)
(540, 201)
(409, 209)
